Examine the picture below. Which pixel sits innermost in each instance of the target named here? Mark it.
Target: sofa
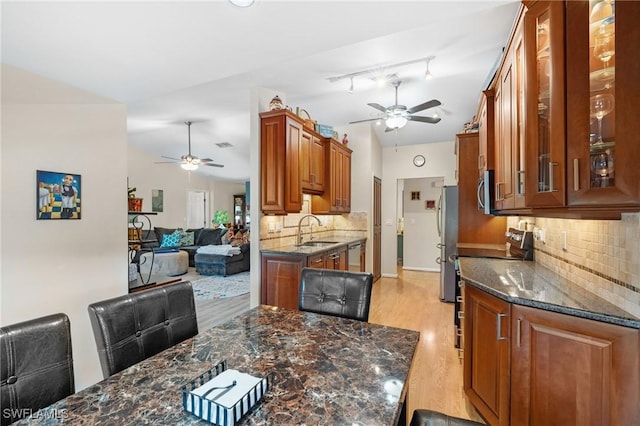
(196, 238)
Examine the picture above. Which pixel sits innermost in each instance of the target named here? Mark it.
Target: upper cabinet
(565, 99)
(281, 187)
(509, 126)
(603, 100)
(337, 194)
(485, 132)
(312, 163)
(545, 103)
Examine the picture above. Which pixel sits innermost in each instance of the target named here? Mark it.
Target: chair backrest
(340, 293)
(133, 327)
(36, 365)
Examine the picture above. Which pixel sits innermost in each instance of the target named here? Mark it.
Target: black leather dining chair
(133, 327)
(433, 418)
(36, 365)
(340, 293)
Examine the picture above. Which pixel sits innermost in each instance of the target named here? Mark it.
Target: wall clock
(419, 161)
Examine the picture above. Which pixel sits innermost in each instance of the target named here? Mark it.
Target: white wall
(145, 175)
(420, 225)
(398, 164)
(50, 266)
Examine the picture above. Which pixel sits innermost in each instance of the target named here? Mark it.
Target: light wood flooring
(412, 302)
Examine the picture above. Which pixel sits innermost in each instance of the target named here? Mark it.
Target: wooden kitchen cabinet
(280, 138)
(473, 225)
(486, 360)
(281, 279)
(572, 371)
(337, 193)
(545, 103)
(486, 127)
(604, 83)
(312, 159)
(337, 259)
(509, 137)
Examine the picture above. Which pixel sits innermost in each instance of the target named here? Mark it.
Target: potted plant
(135, 204)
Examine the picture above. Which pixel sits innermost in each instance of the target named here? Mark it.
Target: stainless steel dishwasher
(356, 259)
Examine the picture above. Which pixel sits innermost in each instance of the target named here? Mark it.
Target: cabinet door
(336, 198)
(281, 188)
(346, 181)
(311, 163)
(486, 359)
(602, 101)
(281, 280)
(486, 126)
(545, 103)
(572, 371)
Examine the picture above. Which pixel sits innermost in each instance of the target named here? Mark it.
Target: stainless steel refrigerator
(447, 210)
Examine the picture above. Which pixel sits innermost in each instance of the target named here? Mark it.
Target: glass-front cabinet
(603, 103)
(545, 103)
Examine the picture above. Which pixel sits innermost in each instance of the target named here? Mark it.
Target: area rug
(217, 287)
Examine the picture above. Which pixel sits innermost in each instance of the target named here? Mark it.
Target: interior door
(196, 209)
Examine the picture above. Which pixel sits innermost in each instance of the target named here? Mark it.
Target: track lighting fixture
(380, 74)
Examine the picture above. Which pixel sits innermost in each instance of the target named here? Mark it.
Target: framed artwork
(58, 195)
(157, 200)
(430, 204)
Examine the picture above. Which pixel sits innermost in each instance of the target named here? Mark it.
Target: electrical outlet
(271, 228)
(564, 241)
(539, 235)
(278, 227)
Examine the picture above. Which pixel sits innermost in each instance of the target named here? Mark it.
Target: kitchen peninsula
(282, 263)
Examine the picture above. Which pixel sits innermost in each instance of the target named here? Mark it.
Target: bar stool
(133, 327)
(36, 365)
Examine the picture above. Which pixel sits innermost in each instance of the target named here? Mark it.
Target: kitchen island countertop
(531, 284)
(337, 238)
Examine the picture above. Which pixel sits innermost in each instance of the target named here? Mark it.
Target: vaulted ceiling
(171, 61)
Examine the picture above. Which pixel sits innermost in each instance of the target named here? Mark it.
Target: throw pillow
(161, 232)
(227, 237)
(187, 238)
(209, 237)
(171, 240)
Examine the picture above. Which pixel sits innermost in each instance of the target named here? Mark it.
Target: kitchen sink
(317, 243)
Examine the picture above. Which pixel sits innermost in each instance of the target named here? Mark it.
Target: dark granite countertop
(325, 370)
(337, 238)
(530, 284)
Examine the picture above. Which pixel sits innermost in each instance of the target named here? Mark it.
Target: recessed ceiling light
(242, 3)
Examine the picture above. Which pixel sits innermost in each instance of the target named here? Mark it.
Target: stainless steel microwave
(486, 193)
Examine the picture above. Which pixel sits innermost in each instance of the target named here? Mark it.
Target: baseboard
(389, 275)
(415, 268)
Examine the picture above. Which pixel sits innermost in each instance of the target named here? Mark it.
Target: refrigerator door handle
(438, 260)
(440, 245)
(440, 216)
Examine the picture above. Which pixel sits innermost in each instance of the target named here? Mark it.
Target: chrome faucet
(299, 239)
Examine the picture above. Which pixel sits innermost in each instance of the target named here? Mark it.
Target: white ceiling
(171, 61)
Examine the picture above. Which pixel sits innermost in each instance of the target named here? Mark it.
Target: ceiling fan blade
(362, 121)
(432, 120)
(212, 165)
(390, 129)
(206, 160)
(170, 158)
(164, 162)
(429, 104)
(377, 106)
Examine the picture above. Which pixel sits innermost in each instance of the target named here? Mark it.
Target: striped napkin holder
(221, 396)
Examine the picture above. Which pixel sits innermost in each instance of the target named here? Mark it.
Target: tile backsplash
(602, 256)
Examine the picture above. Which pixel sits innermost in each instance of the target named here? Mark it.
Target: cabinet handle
(576, 174)
(460, 353)
(317, 261)
(499, 326)
(551, 166)
(519, 178)
(518, 332)
(461, 314)
(480, 162)
(334, 256)
(459, 299)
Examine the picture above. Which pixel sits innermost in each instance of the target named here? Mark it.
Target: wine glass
(605, 46)
(601, 105)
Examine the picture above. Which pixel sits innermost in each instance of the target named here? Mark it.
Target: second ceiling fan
(189, 161)
(396, 116)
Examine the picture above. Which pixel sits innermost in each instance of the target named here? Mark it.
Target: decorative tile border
(591, 271)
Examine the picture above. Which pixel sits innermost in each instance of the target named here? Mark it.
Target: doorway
(197, 212)
(377, 228)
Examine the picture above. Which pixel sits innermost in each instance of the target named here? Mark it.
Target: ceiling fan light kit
(397, 116)
(191, 162)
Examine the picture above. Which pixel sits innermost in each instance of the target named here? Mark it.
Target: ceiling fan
(396, 116)
(191, 162)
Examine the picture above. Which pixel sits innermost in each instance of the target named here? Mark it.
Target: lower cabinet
(572, 371)
(527, 366)
(486, 354)
(280, 285)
